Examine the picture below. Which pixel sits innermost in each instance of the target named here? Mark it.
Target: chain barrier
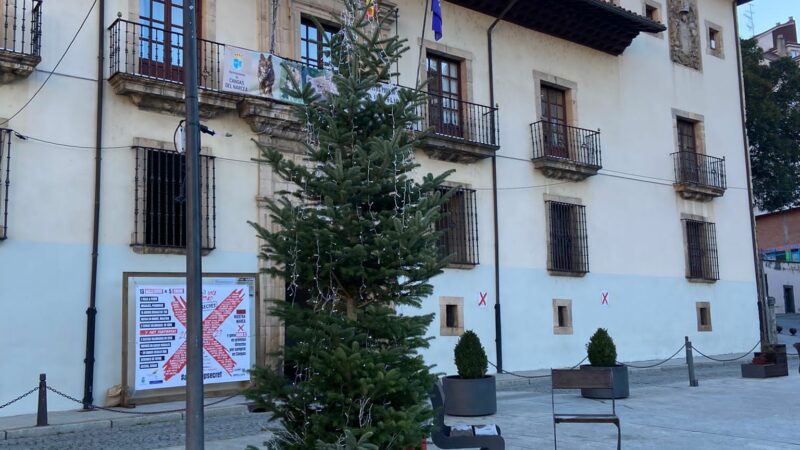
(731, 359)
(533, 377)
(142, 413)
(656, 364)
(19, 398)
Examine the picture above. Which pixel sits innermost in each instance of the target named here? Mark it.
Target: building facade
(780, 41)
(779, 248)
(598, 149)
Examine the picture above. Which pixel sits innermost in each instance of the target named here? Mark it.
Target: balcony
(146, 64)
(564, 152)
(699, 177)
(460, 131)
(598, 24)
(20, 52)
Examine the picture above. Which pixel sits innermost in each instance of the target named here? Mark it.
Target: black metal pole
(498, 323)
(91, 311)
(194, 277)
(41, 410)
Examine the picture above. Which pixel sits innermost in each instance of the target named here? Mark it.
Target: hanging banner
(260, 74)
(266, 75)
(160, 316)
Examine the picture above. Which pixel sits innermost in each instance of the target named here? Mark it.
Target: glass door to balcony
(444, 101)
(161, 38)
(689, 169)
(554, 121)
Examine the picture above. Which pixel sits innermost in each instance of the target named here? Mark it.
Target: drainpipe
(498, 329)
(763, 311)
(91, 311)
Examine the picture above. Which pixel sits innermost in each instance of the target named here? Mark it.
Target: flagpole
(422, 40)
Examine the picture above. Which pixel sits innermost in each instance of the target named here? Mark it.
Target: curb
(121, 422)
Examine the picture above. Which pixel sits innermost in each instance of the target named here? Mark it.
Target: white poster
(161, 334)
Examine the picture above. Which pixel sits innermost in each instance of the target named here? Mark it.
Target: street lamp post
(194, 271)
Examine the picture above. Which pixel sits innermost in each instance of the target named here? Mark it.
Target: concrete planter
(469, 397)
(621, 387)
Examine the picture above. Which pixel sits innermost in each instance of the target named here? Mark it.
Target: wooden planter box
(778, 365)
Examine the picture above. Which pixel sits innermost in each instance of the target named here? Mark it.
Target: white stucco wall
(636, 250)
(780, 275)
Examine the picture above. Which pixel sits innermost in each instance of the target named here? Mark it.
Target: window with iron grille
(701, 250)
(160, 203)
(568, 249)
(313, 42)
(459, 223)
(5, 179)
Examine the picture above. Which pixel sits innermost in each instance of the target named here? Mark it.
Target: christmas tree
(356, 237)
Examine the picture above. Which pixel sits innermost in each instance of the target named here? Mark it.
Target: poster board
(154, 334)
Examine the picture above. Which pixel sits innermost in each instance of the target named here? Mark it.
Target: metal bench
(441, 433)
(583, 379)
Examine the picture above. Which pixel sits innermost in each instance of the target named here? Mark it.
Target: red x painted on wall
(211, 324)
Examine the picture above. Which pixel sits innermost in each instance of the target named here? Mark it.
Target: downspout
(498, 329)
(762, 307)
(91, 311)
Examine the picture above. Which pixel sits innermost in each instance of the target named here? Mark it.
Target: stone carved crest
(684, 33)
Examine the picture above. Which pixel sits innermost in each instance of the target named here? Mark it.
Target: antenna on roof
(749, 15)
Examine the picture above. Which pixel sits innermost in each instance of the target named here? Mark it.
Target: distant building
(779, 244)
(780, 41)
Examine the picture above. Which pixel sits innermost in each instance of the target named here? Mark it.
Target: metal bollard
(41, 411)
(690, 362)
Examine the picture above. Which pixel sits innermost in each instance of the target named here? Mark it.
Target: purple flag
(436, 9)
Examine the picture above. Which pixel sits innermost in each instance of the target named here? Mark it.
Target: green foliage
(772, 95)
(470, 356)
(601, 349)
(350, 443)
(355, 235)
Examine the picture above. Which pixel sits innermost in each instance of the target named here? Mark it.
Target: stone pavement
(725, 411)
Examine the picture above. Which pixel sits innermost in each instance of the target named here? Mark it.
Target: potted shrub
(793, 331)
(603, 356)
(471, 392)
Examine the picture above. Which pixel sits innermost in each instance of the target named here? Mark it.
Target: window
(314, 43)
(160, 203)
(451, 316)
(161, 38)
(651, 12)
(459, 227)
(701, 250)
(554, 121)
(795, 53)
(562, 316)
(703, 316)
(5, 179)
(714, 37)
(444, 99)
(568, 251)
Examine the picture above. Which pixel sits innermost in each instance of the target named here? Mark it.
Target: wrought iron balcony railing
(151, 52)
(699, 170)
(22, 27)
(558, 140)
(461, 120)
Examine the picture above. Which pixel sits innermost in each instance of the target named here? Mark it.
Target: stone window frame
(699, 129)
(569, 87)
(138, 192)
(659, 8)
(699, 308)
(577, 202)
(719, 52)
(444, 302)
(465, 59)
(472, 238)
(697, 218)
(567, 327)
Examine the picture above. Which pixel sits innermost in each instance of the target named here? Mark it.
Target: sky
(766, 13)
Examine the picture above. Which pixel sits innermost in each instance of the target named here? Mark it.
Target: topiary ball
(601, 349)
(471, 360)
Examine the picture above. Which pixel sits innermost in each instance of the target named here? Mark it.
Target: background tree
(772, 94)
(355, 235)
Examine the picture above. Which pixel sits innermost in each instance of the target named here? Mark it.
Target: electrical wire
(50, 75)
